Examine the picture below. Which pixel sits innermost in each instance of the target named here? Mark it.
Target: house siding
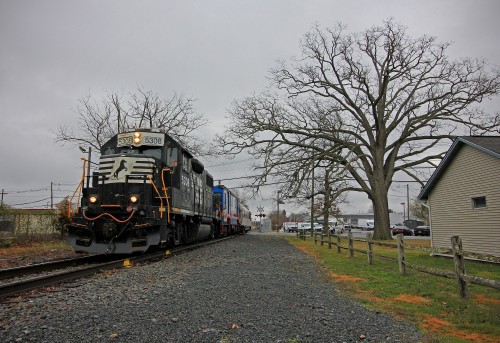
(472, 173)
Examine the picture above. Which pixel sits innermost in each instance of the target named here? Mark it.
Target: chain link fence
(30, 225)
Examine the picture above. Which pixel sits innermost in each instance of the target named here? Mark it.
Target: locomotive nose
(109, 230)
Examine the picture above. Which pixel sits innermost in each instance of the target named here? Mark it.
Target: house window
(479, 202)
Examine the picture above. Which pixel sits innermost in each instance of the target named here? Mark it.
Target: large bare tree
(99, 120)
(382, 102)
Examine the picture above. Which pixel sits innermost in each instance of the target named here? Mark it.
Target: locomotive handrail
(109, 215)
(165, 190)
(159, 195)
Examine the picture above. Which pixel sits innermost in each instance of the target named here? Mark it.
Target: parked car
(290, 227)
(318, 227)
(304, 227)
(422, 230)
(400, 228)
(336, 229)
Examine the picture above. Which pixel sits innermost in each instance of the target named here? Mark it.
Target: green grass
(429, 301)
(5, 243)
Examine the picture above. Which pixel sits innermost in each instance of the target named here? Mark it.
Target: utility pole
(408, 201)
(278, 217)
(312, 202)
(279, 213)
(3, 192)
(51, 196)
(89, 156)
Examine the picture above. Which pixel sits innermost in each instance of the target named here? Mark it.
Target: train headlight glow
(134, 199)
(93, 199)
(137, 137)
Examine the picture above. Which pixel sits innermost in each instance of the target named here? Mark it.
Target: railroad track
(93, 265)
(10, 273)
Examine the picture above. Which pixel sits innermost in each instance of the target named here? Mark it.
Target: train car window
(210, 181)
(217, 200)
(171, 156)
(109, 151)
(156, 153)
(185, 163)
(129, 151)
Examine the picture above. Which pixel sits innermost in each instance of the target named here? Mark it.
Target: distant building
(463, 195)
(266, 224)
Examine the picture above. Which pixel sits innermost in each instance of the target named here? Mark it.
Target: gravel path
(252, 288)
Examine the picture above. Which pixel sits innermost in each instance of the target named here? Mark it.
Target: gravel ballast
(253, 288)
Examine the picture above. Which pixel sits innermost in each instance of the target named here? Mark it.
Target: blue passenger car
(226, 205)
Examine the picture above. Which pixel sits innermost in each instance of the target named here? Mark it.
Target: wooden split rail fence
(456, 251)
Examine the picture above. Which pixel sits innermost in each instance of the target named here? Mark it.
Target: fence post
(370, 247)
(338, 243)
(315, 237)
(351, 244)
(401, 255)
(329, 239)
(458, 259)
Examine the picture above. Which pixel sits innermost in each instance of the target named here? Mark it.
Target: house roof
(487, 144)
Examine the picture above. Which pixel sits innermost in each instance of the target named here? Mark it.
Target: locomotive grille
(118, 169)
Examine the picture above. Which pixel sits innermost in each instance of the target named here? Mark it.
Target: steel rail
(14, 288)
(47, 266)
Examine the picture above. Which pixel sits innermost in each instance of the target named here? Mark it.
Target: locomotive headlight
(134, 199)
(137, 137)
(93, 199)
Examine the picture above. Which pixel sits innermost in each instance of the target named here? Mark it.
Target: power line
(32, 202)
(346, 179)
(229, 162)
(28, 190)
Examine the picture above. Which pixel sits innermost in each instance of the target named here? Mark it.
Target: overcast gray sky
(54, 52)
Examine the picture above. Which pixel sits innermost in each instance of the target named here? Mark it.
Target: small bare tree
(288, 140)
(419, 211)
(98, 121)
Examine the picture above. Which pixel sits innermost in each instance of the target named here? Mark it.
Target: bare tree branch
(99, 121)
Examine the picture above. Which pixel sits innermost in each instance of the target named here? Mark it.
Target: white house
(463, 195)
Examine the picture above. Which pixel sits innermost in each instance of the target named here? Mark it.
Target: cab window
(185, 163)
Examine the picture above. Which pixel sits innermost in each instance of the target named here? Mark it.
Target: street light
(88, 162)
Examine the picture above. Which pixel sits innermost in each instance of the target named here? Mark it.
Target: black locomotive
(149, 191)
